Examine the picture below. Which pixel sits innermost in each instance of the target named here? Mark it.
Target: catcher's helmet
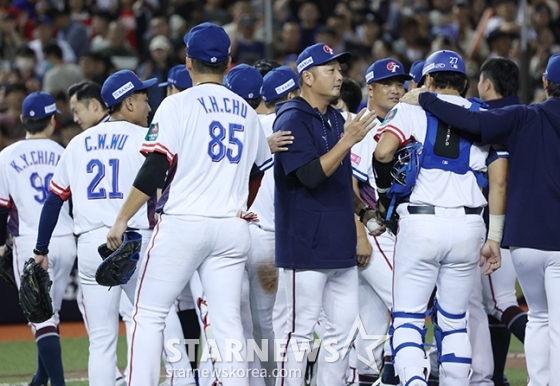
(403, 165)
(444, 60)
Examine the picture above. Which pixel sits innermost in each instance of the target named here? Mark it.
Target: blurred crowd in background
(50, 45)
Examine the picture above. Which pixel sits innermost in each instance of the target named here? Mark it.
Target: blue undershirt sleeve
(48, 220)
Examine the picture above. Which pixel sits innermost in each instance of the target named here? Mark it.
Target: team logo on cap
(392, 66)
(328, 50)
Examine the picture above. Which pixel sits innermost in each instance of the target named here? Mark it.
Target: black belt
(430, 209)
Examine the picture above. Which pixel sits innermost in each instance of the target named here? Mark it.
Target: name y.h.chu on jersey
(223, 105)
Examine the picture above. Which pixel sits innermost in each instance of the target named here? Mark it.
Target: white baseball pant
(376, 301)
(479, 336)
(260, 287)
(101, 311)
(434, 249)
(339, 303)
(499, 287)
(217, 248)
(538, 272)
(62, 253)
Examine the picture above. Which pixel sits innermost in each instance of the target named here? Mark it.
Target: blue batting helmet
(444, 60)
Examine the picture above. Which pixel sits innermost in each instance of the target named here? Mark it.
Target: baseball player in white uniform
(192, 297)
(26, 167)
(96, 170)
(261, 283)
(207, 139)
(441, 232)
(385, 80)
(88, 109)
(279, 84)
(261, 276)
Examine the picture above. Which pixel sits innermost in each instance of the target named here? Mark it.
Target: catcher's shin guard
(454, 350)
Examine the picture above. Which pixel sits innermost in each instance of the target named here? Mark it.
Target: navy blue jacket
(532, 136)
(315, 228)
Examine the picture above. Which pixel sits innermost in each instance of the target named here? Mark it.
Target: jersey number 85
(217, 149)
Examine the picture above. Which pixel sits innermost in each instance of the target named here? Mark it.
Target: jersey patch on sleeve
(153, 132)
(355, 158)
(390, 115)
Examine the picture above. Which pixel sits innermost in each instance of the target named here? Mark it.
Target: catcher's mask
(404, 163)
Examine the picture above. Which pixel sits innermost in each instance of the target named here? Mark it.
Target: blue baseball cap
(208, 43)
(39, 105)
(416, 71)
(385, 69)
(179, 77)
(317, 55)
(279, 82)
(121, 84)
(552, 72)
(244, 80)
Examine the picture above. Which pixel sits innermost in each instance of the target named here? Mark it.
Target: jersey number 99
(96, 166)
(217, 149)
(41, 185)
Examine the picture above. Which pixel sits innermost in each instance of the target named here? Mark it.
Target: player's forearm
(497, 179)
(48, 220)
(133, 203)
(497, 176)
(333, 158)
(254, 185)
(360, 229)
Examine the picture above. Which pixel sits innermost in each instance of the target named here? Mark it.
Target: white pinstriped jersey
(361, 157)
(435, 186)
(26, 167)
(212, 138)
(263, 205)
(97, 170)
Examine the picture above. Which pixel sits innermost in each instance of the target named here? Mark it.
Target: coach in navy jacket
(314, 215)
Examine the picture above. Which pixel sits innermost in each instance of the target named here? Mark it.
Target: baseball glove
(118, 266)
(7, 267)
(34, 296)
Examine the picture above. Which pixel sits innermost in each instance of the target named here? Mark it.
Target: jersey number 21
(97, 167)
